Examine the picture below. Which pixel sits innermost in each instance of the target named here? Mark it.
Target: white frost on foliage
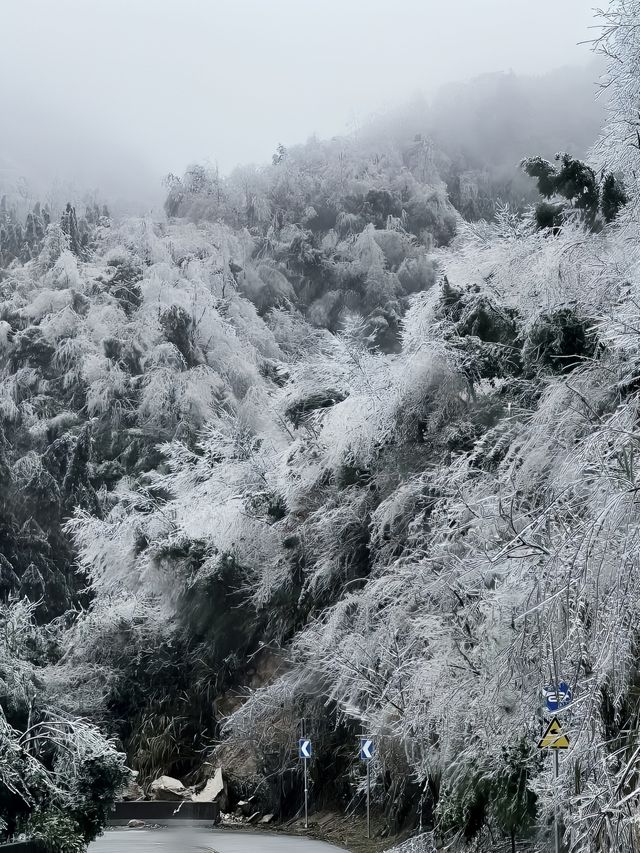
(65, 273)
(441, 587)
(5, 330)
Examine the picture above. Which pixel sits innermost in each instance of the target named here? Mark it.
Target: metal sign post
(557, 697)
(556, 774)
(367, 749)
(368, 799)
(306, 796)
(305, 751)
(555, 739)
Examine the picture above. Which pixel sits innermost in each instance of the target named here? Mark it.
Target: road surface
(193, 840)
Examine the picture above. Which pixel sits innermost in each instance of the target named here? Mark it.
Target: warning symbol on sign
(554, 738)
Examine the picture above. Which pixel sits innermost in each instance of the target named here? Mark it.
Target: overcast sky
(170, 82)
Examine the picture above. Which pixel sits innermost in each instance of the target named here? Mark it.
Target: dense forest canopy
(349, 437)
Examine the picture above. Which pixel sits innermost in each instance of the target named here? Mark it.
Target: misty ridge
(486, 125)
(422, 165)
(318, 473)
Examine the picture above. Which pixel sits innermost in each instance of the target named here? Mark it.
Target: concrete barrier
(159, 811)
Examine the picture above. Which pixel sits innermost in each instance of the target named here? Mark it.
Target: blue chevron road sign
(367, 749)
(304, 748)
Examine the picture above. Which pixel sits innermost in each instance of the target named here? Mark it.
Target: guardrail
(161, 810)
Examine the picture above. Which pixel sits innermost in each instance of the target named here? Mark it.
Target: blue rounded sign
(557, 697)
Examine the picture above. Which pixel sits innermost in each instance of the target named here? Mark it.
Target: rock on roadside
(212, 790)
(168, 788)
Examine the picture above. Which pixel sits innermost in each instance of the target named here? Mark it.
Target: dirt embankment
(349, 832)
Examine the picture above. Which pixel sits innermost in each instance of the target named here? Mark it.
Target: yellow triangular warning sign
(553, 737)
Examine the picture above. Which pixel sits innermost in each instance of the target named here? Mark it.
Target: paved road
(192, 840)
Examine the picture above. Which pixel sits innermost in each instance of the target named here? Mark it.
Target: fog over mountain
(116, 94)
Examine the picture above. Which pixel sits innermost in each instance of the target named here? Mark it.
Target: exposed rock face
(167, 788)
(238, 760)
(214, 789)
(133, 791)
(246, 808)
